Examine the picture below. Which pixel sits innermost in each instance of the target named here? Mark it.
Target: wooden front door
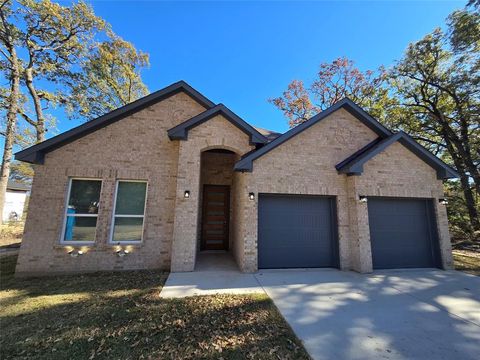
(215, 217)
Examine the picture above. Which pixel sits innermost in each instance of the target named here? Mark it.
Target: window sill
(126, 243)
(75, 244)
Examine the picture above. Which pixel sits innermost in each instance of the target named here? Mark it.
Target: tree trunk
(461, 155)
(40, 123)
(11, 126)
(470, 202)
(465, 183)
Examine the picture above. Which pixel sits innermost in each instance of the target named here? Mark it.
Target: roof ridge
(35, 154)
(246, 164)
(180, 131)
(353, 165)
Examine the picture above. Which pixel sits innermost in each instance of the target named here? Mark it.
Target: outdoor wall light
(122, 252)
(251, 196)
(186, 194)
(443, 201)
(362, 198)
(75, 253)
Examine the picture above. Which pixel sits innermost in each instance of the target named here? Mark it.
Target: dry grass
(121, 316)
(11, 233)
(467, 261)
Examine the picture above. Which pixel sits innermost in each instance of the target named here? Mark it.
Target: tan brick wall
(217, 133)
(136, 147)
(397, 172)
(217, 168)
(241, 247)
(306, 165)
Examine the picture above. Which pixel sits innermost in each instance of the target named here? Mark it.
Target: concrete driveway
(409, 314)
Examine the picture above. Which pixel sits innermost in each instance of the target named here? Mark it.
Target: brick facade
(138, 148)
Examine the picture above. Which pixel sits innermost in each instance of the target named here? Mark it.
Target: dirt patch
(11, 234)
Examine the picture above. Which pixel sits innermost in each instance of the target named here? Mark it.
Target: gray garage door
(403, 233)
(296, 231)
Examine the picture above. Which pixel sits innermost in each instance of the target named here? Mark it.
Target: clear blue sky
(242, 53)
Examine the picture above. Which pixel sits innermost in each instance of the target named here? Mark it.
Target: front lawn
(467, 261)
(121, 316)
(11, 233)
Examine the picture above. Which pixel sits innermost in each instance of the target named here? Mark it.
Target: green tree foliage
(21, 172)
(437, 86)
(55, 38)
(110, 79)
(59, 56)
(432, 93)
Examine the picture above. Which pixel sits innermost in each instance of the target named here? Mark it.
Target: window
(81, 212)
(129, 211)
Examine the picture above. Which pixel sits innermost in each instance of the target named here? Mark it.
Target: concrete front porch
(215, 261)
(215, 273)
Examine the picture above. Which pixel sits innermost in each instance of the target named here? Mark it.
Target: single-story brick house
(152, 184)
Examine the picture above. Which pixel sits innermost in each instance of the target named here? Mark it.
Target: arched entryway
(216, 207)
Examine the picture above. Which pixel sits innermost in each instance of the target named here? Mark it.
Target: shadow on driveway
(402, 314)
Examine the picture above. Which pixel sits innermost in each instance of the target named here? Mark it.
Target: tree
(64, 55)
(11, 66)
(21, 172)
(110, 79)
(433, 93)
(61, 46)
(55, 38)
(439, 91)
(335, 81)
(464, 30)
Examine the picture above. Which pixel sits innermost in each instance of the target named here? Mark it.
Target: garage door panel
(295, 231)
(402, 233)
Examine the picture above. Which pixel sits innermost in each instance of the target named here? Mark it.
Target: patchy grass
(467, 261)
(121, 316)
(11, 233)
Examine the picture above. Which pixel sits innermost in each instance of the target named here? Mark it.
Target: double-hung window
(129, 212)
(81, 211)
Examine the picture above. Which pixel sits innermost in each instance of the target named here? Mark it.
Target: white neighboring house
(15, 201)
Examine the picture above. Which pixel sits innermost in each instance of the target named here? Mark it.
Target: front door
(215, 216)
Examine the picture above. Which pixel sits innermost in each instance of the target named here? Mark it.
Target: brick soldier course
(135, 144)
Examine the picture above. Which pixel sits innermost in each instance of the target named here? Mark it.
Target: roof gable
(246, 163)
(180, 132)
(353, 165)
(36, 153)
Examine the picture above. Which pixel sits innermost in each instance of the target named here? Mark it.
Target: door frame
(226, 241)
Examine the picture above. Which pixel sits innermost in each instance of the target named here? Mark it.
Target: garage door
(296, 231)
(403, 233)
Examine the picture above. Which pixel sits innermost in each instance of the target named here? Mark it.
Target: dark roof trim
(180, 132)
(246, 164)
(356, 154)
(354, 164)
(35, 154)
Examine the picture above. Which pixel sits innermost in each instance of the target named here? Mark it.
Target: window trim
(66, 215)
(112, 224)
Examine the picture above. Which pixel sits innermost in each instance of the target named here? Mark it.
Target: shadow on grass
(120, 315)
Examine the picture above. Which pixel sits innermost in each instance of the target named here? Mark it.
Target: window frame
(66, 215)
(112, 226)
